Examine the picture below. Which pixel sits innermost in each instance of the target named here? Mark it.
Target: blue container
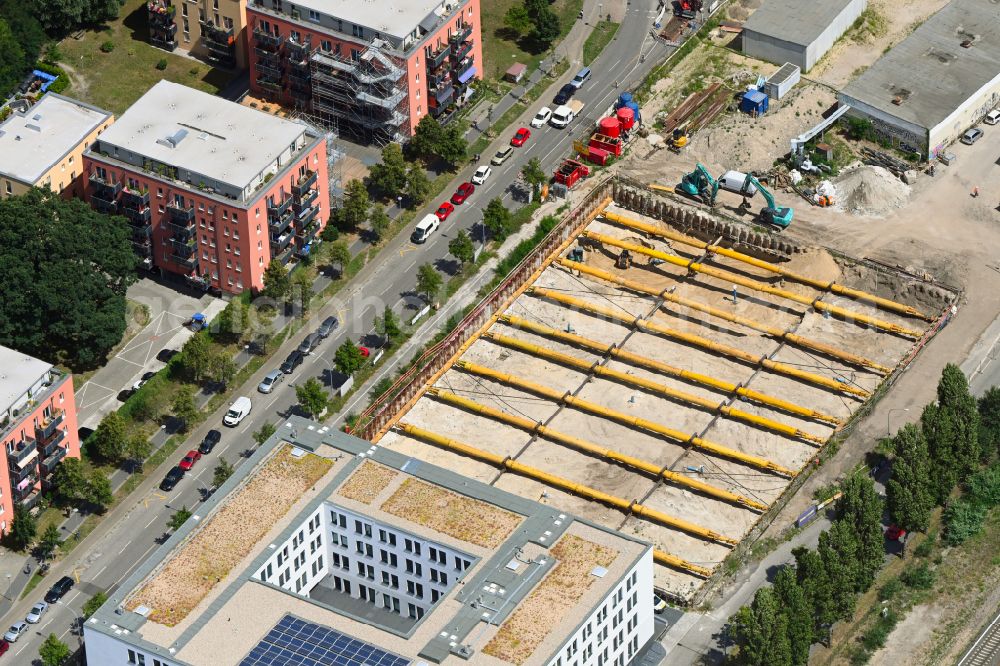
(623, 100)
(754, 102)
(635, 109)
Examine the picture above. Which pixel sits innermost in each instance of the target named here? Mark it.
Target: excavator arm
(772, 214)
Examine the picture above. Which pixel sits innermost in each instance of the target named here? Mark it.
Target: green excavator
(700, 185)
(779, 217)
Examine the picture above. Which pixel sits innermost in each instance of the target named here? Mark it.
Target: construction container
(754, 102)
(610, 126)
(598, 156)
(626, 117)
(637, 117)
(613, 145)
(782, 81)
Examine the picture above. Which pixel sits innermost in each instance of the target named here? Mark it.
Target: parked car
(270, 380)
(659, 605)
(188, 461)
(4, 646)
(146, 376)
(502, 155)
(293, 361)
(425, 228)
(992, 118)
(971, 136)
(463, 192)
(482, 173)
(37, 611)
(564, 94)
(444, 210)
(15, 631)
(169, 481)
(520, 136)
(237, 411)
(580, 77)
(58, 590)
(328, 326)
(542, 117)
(212, 437)
(310, 343)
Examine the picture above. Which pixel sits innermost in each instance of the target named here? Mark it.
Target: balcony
(55, 443)
(463, 34)
(105, 186)
(142, 234)
(180, 214)
(267, 41)
(272, 68)
(224, 59)
(298, 54)
(278, 225)
(461, 51)
(30, 499)
(167, 43)
(277, 210)
(304, 183)
(270, 84)
(45, 429)
(135, 198)
(180, 229)
(305, 201)
(280, 241)
(461, 71)
(435, 60)
(214, 34)
(49, 464)
(184, 247)
(190, 262)
(443, 93)
(16, 455)
(28, 496)
(443, 76)
(307, 231)
(138, 217)
(102, 205)
(306, 217)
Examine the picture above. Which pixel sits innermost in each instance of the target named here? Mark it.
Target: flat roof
(32, 142)
(398, 19)
(236, 618)
(795, 21)
(930, 71)
(18, 373)
(219, 139)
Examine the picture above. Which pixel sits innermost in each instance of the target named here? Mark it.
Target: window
(296, 36)
(314, 16)
(414, 589)
(326, 45)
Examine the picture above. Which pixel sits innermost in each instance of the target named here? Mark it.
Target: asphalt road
(128, 535)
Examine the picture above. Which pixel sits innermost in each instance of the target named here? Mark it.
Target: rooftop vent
(33, 127)
(174, 139)
(900, 95)
(942, 56)
(599, 572)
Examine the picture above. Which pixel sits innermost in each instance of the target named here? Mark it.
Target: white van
(425, 228)
(561, 117)
(237, 411)
(732, 181)
(993, 117)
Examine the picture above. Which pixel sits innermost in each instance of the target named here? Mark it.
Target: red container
(610, 127)
(626, 117)
(598, 156)
(611, 144)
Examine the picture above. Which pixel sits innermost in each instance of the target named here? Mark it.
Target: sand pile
(870, 190)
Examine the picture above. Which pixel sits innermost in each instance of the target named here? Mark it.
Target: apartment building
(37, 428)
(43, 146)
(372, 70)
(212, 30)
(212, 190)
(381, 559)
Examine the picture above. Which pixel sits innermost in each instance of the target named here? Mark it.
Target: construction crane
(779, 217)
(700, 183)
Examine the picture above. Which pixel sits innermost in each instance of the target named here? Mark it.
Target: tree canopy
(61, 16)
(910, 491)
(66, 271)
(21, 40)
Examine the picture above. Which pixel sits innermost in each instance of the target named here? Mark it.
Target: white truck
(564, 115)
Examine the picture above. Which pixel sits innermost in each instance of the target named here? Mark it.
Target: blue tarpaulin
(468, 74)
(48, 79)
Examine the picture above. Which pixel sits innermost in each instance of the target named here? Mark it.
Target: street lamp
(888, 416)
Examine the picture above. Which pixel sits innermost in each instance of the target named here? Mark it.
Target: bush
(889, 589)
(963, 519)
(984, 486)
(926, 546)
(161, 64)
(919, 577)
(108, 46)
(875, 637)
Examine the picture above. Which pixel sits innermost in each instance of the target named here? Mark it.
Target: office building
(213, 190)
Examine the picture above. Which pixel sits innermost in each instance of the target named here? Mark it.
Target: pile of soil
(870, 191)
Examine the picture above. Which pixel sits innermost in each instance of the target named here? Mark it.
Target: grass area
(502, 47)
(868, 27)
(115, 80)
(32, 584)
(600, 36)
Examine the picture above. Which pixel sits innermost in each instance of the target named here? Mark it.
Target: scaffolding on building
(363, 94)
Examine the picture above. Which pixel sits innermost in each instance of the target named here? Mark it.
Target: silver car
(36, 613)
(15, 631)
(272, 379)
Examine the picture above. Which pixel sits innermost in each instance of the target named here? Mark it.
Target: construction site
(660, 372)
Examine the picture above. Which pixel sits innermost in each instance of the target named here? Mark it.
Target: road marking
(100, 572)
(127, 544)
(248, 426)
(150, 521)
(76, 574)
(139, 561)
(65, 602)
(407, 248)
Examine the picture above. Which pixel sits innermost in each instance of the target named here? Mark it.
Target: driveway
(168, 310)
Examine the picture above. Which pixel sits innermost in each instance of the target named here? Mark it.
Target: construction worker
(975, 192)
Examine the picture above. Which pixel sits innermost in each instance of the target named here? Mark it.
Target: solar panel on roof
(295, 642)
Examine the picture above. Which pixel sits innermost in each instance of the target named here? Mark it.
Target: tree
(989, 422)
(180, 517)
(838, 549)
(26, 37)
(311, 396)
(66, 271)
(222, 368)
(811, 574)
(137, 449)
(910, 490)
(23, 528)
(196, 358)
(62, 16)
(12, 62)
(222, 472)
(954, 396)
(496, 219)
(354, 212)
(49, 541)
(546, 28)
(388, 177)
(761, 632)
(277, 282)
(53, 651)
(264, 433)
(387, 325)
(453, 148)
(184, 407)
(99, 491)
(233, 322)
(941, 434)
(339, 254)
(517, 19)
(461, 247)
(533, 173)
(795, 605)
(302, 288)
(348, 358)
(110, 440)
(379, 221)
(94, 603)
(426, 137)
(418, 186)
(861, 507)
(429, 282)
(70, 480)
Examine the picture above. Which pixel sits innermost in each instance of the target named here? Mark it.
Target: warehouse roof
(795, 21)
(931, 73)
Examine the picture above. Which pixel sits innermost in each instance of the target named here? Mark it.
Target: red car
(520, 136)
(462, 193)
(895, 533)
(188, 461)
(444, 210)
